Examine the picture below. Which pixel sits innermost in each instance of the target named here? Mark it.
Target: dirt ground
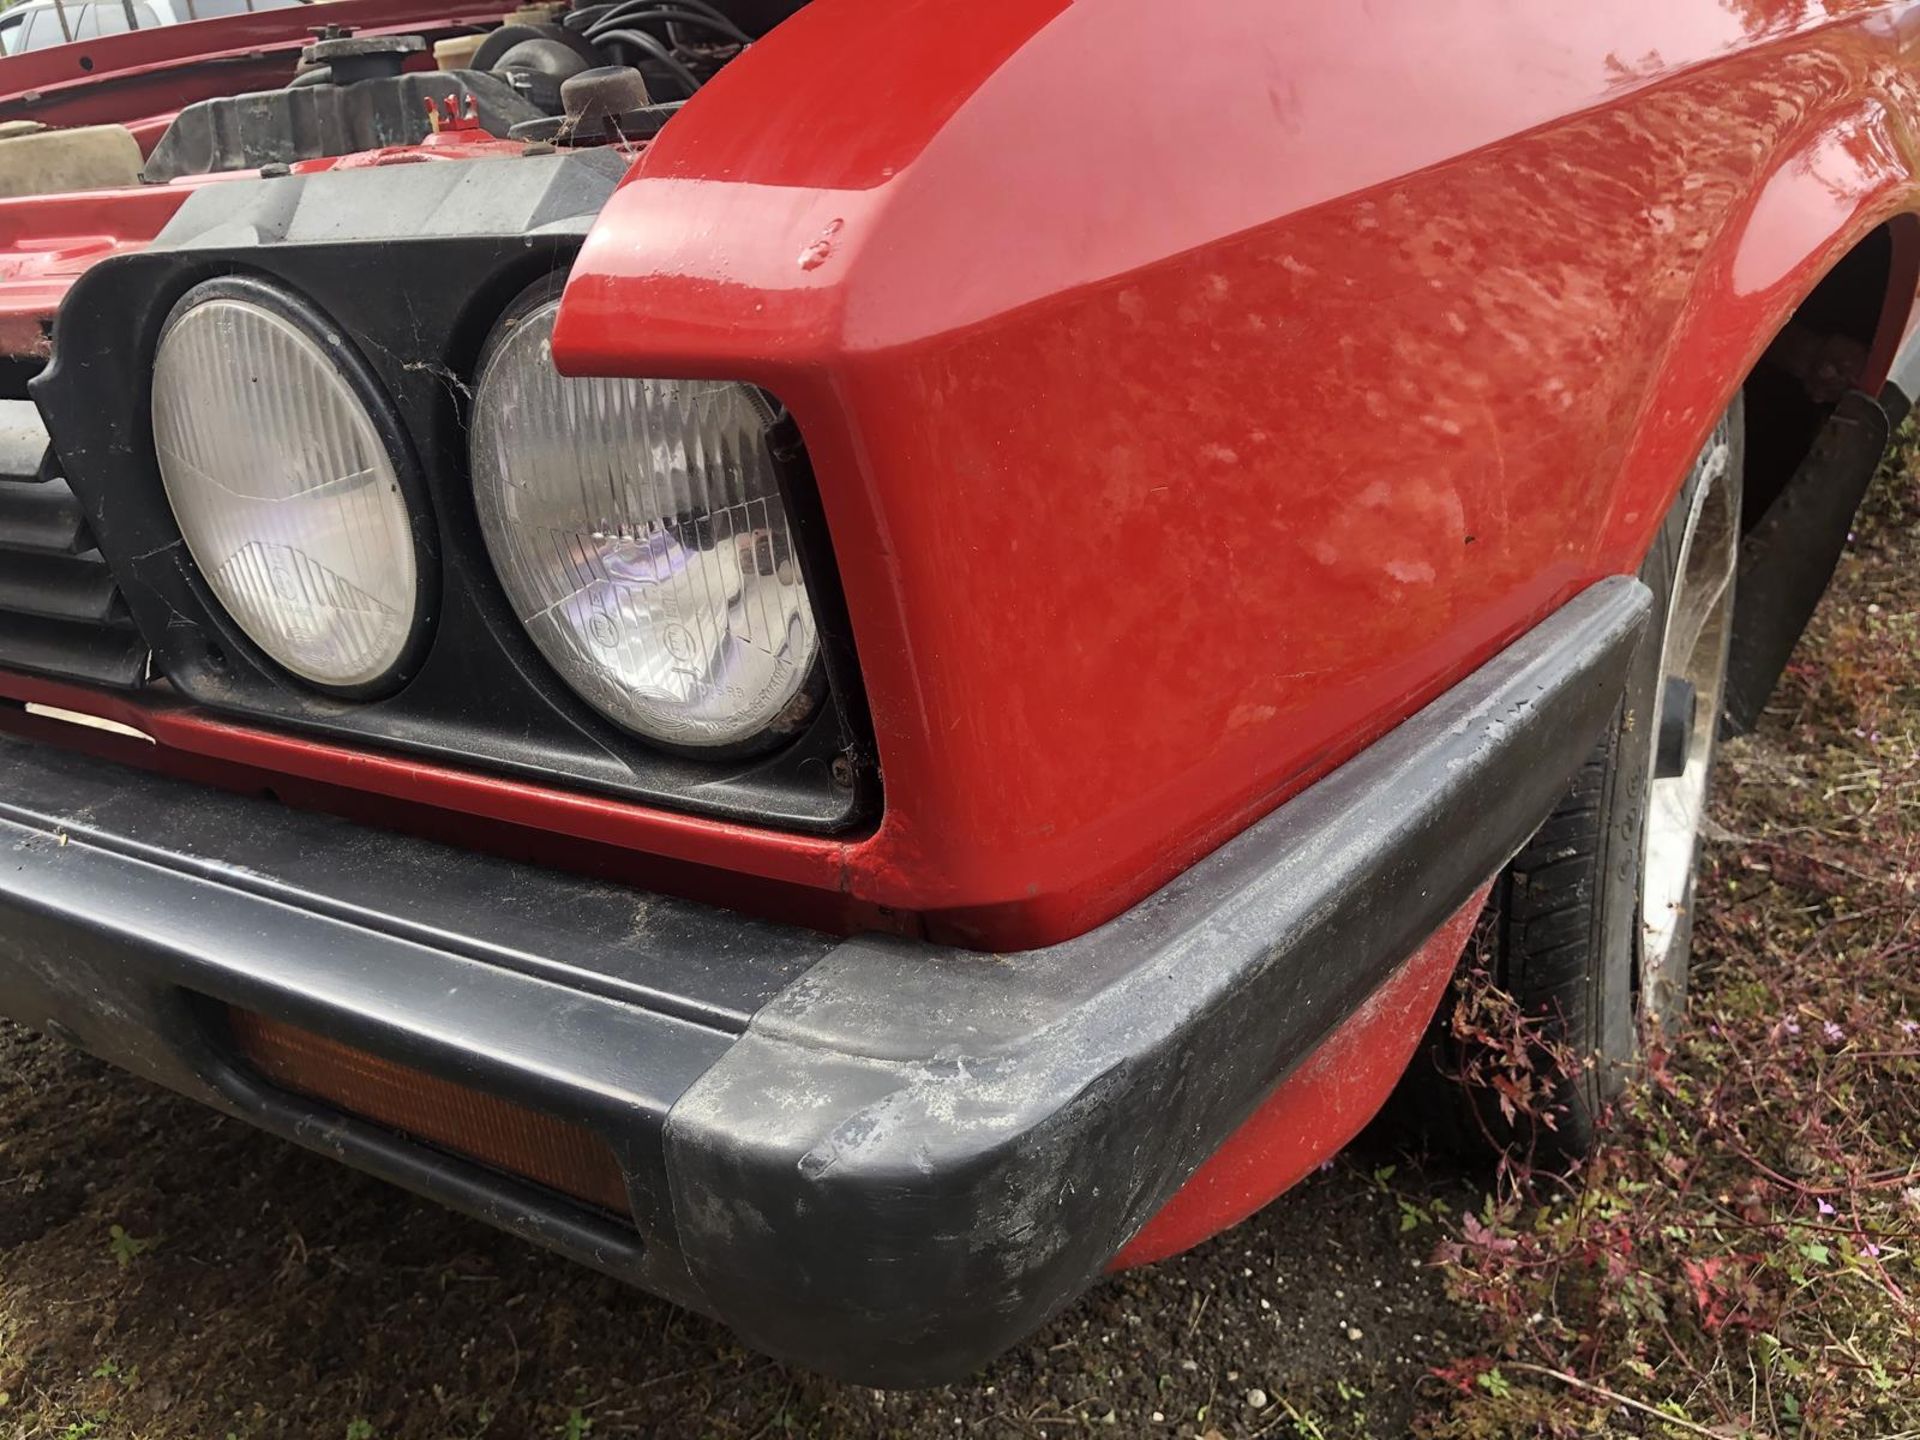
(167, 1274)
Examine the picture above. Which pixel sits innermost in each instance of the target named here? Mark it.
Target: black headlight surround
(415, 264)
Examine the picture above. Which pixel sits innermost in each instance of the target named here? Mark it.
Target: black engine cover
(307, 122)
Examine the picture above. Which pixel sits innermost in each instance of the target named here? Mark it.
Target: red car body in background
(1191, 399)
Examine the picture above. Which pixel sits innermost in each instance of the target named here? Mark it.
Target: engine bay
(560, 73)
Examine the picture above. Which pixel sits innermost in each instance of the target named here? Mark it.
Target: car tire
(1588, 927)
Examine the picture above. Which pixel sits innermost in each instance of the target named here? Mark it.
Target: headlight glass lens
(286, 495)
(637, 528)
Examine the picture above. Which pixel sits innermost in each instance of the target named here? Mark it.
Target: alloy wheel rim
(1699, 615)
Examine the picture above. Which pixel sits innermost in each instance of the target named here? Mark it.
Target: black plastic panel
(40, 517)
(60, 587)
(61, 614)
(1788, 552)
(414, 264)
(963, 1143)
(129, 901)
(305, 122)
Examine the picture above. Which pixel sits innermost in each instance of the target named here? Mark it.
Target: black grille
(60, 612)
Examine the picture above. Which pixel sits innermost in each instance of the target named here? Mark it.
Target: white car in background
(38, 24)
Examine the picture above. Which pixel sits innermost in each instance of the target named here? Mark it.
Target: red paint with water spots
(1185, 418)
(1315, 1111)
(1190, 401)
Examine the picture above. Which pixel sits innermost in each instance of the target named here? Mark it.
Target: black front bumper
(885, 1160)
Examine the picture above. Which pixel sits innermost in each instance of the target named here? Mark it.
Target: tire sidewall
(1607, 1037)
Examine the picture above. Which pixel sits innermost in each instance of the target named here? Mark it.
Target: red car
(857, 661)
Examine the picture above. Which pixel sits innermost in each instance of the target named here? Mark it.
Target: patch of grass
(1739, 1259)
(126, 1248)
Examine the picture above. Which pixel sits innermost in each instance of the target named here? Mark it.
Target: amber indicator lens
(477, 1126)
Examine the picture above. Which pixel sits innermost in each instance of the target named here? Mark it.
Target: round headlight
(638, 530)
(277, 452)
